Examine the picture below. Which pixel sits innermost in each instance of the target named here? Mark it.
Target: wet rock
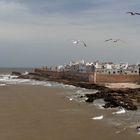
(114, 98)
(16, 73)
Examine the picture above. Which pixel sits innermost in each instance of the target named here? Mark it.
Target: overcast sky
(40, 32)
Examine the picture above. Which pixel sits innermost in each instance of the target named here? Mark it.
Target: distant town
(107, 68)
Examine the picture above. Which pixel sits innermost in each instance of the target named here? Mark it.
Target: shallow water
(121, 122)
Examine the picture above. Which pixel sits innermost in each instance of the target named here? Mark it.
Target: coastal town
(100, 67)
(93, 72)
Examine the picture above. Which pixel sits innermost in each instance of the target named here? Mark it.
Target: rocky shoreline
(125, 97)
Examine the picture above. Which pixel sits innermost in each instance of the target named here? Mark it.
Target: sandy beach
(42, 113)
(122, 85)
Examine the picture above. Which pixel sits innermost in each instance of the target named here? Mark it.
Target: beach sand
(42, 113)
(122, 85)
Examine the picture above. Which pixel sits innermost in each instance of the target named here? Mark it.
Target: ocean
(43, 110)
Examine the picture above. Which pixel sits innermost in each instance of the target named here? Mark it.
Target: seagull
(114, 40)
(132, 13)
(108, 40)
(137, 13)
(75, 41)
(79, 42)
(119, 40)
(84, 44)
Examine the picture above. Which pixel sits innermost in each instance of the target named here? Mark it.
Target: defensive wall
(103, 78)
(88, 77)
(72, 76)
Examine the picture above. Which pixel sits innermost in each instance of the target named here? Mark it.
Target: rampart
(103, 78)
(88, 77)
(72, 76)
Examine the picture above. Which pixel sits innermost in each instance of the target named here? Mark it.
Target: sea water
(117, 117)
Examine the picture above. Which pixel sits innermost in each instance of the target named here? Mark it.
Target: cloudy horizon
(35, 33)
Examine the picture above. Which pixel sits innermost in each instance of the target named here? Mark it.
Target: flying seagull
(132, 13)
(108, 40)
(84, 43)
(119, 40)
(79, 42)
(114, 40)
(75, 41)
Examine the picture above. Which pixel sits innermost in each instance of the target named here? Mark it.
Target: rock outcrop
(16, 73)
(127, 98)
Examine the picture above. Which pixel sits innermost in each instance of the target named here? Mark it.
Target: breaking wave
(7, 79)
(76, 93)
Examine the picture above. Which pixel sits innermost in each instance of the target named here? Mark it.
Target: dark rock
(16, 73)
(115, 98)
(24, 76)
(138, 128)
(110, 105)
(89, 100)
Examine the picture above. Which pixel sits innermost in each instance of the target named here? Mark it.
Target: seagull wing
(108, 40)
(75, 42)
(119, 40)
(84, 43)
(116, 40)
(131, 13)
(137, 13)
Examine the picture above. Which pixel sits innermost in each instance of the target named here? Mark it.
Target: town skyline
(35, 33)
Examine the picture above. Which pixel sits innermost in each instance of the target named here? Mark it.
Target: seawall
(88, 77)
(102, 78)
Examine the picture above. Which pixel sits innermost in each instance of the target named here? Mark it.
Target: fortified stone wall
(89, 77)
(64, 75)
(76, 76)
(102, 78)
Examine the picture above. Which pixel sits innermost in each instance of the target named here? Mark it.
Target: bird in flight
(108, 40)
(79, 42)
(114, 40)
(75, 41)
(118, 40)
(84, 43)
(132, 13)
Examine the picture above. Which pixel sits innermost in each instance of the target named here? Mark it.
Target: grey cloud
(44, 28)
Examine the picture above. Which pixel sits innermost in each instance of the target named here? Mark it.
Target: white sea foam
(98, 117)
(6, 77)
(25, 73)
(68, 86)
(70, 99)
(121, 111)
(10, 79)
(14, 80)
(120, 131)
(48, 84)
(99, 103)
(80, 91)
(1, 85)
